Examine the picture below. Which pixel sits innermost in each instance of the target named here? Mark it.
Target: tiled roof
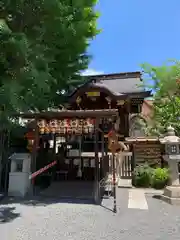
(118, 84)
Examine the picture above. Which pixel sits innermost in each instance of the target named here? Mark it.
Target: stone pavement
(140, 216)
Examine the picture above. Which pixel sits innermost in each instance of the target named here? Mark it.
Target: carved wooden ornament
(113, 144)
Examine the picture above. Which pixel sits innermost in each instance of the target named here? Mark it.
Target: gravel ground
(54, 220)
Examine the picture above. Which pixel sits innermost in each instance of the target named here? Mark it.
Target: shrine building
(74, 137)
(123, 91)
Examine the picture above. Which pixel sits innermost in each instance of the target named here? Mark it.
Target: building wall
(147, 109)
(138, 122)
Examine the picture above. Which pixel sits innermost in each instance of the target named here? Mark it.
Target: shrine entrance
(63, 137)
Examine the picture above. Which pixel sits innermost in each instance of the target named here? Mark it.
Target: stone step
(124, 183)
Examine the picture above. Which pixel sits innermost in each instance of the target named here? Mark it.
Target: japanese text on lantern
(66, 126)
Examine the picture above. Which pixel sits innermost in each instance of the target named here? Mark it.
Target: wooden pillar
(133, 161)
(126, 121)
(96, 188)
(54, 157)
(34, 153)
(122, 120)
(54, 144)
(126, 117)
(81, 159)
(102, 155)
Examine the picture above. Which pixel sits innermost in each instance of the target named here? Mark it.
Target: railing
(126, 168)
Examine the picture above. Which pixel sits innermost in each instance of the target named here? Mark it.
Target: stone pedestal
(172, 195)
(174, 173)
(172, 149)
(19, 183)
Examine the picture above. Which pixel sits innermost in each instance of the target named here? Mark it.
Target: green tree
(164, 83)
(43, 49)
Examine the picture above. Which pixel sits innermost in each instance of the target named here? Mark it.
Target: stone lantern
(172, 156)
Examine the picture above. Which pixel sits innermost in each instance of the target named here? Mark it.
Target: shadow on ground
(39, 201)
(7, 214)
(42, 201)
(158, 197)
(107, 208)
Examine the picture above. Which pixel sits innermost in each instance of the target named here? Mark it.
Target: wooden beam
(69, 114)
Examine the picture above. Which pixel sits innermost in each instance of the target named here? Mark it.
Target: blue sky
(133, 32)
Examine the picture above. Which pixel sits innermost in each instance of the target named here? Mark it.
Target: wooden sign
(147, 152)
(93, 94)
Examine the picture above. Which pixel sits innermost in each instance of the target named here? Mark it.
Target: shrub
(142, 176)
(160, 178)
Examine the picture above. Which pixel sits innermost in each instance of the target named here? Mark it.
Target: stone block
(171, 195)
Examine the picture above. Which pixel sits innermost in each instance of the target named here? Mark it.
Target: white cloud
(90, 72)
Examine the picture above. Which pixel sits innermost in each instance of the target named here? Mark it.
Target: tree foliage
(165, 84)
(43, 49)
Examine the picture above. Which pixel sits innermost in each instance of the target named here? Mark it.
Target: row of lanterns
(66, 126)
(76, 126)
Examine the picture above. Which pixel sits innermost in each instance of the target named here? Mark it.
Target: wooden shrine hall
(75, 136)
(71, 164)
(122, 91)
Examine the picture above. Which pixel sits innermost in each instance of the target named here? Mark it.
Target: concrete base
(19, 184)
(124, 183)
(171, 195)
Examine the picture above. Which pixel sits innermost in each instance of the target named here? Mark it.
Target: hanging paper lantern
(74, 125)
(61, 127)
(30, 137)
(47, 128)
(68, 125)
(30, 148)
(53, 126)
(86, 126)
(58, 127)
(80, 126)
(42, 125)
(90, 124)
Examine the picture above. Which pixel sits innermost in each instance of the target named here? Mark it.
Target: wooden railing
(126, 168)
(124, 165)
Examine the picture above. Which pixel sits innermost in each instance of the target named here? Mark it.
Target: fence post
(133, 159)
